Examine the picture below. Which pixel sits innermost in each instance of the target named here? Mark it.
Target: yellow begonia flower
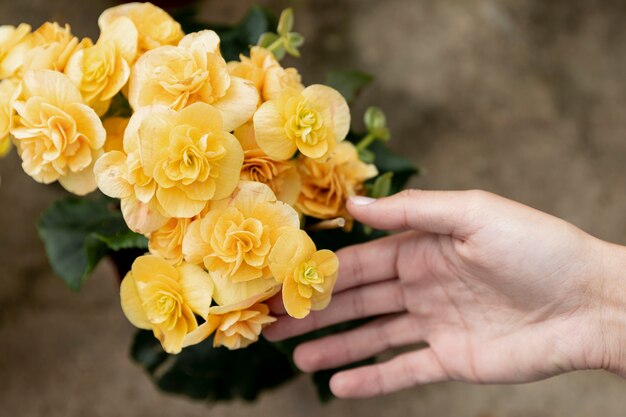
(49, 47)
(163, 298)
(57, 136)
(173, 164)
(327, 185)
(167, 241)
(312, 121)
(7, 93)
(155, 27)
(308, 275)
(102, 70)
(10, 38)
(234, 238)
(268, 76)
(236, 325)
(281, 176)
(115, 127)
(192, 72)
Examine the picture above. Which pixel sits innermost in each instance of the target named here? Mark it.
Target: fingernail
(359, 200)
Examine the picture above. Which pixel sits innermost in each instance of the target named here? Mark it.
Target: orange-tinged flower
(281, 176)
(308, 275)
(163, 298)
(154, 26)
(312, 121)
(173, 164)
(7, 92)
(102, 70)
(327, 185)
(268, 76)
(234, 238)
(236, 325)
(167, 241)
(115, 127)
(49, 47)
(57, 136)
(10, 38)
(194, 71)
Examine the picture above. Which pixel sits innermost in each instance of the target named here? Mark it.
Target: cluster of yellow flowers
(217, 165)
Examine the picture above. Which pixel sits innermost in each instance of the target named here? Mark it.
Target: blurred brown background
(526, 98)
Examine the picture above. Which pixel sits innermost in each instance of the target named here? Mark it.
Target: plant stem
(365, 142)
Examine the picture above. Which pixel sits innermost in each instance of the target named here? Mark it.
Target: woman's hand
(500, 292)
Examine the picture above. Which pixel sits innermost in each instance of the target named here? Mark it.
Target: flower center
(306, 125)
(309, 275)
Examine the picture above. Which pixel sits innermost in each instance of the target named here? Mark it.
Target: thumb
(440, 212)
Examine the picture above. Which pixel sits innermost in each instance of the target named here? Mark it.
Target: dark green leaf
(387, 161)
(77, 233)
(208, 373)
(348, 82)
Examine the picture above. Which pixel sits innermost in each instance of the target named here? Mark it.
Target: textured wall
(526, 98)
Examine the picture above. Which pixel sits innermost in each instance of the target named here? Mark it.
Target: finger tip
(307, 359)
(341, 385)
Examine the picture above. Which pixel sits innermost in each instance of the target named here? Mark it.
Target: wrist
(608, 320)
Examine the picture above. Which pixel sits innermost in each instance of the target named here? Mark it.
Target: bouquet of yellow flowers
(209, 155)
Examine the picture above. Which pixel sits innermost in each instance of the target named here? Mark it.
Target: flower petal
(202, 332)
(197, 288)
(228, 167)
(332, 104)
(296, 305)
(227, 292)
(239, 103)
(176, 203)
(269, 132)
(142, 217)
(79, 183)
(194, 247)
(54, 86)
(131, 304)
(122, 32)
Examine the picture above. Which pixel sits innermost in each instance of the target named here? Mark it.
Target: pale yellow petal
(123, 34)
(239, 103)
(332, 104)
(202, 332)
(142, 217)
(131, 304)
(296, 305)
(79, 183)
(194, 247)
(228, 167)
(227, 292)
(251, 193)
(147, 267)
(176, 203)
(197, 288)
(269, 132)
(204, 117)
(54, 86)
(268, 293)
(206, 40)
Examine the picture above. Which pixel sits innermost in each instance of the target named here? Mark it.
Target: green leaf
(387, 161)
(349, 83)
(237, 40)
(382, 185)
(285, 23)
(294, 39)
(267, 39)
(208, 373)
(77, 233)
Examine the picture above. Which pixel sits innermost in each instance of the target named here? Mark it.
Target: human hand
(500, 292)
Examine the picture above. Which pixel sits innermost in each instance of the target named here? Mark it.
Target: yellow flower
(173, 164)
(234, 239)
(268, 76)
(311, 121)
(281, 176)
(10, 38)
(308, 275)
(7, 92)
(115, 127)
(167, 241)
(57, 136)
(100, 71)
(236, 325)
(192, 72)
(327, 185)
(154, 26)
(49, 47)
(163, 298)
